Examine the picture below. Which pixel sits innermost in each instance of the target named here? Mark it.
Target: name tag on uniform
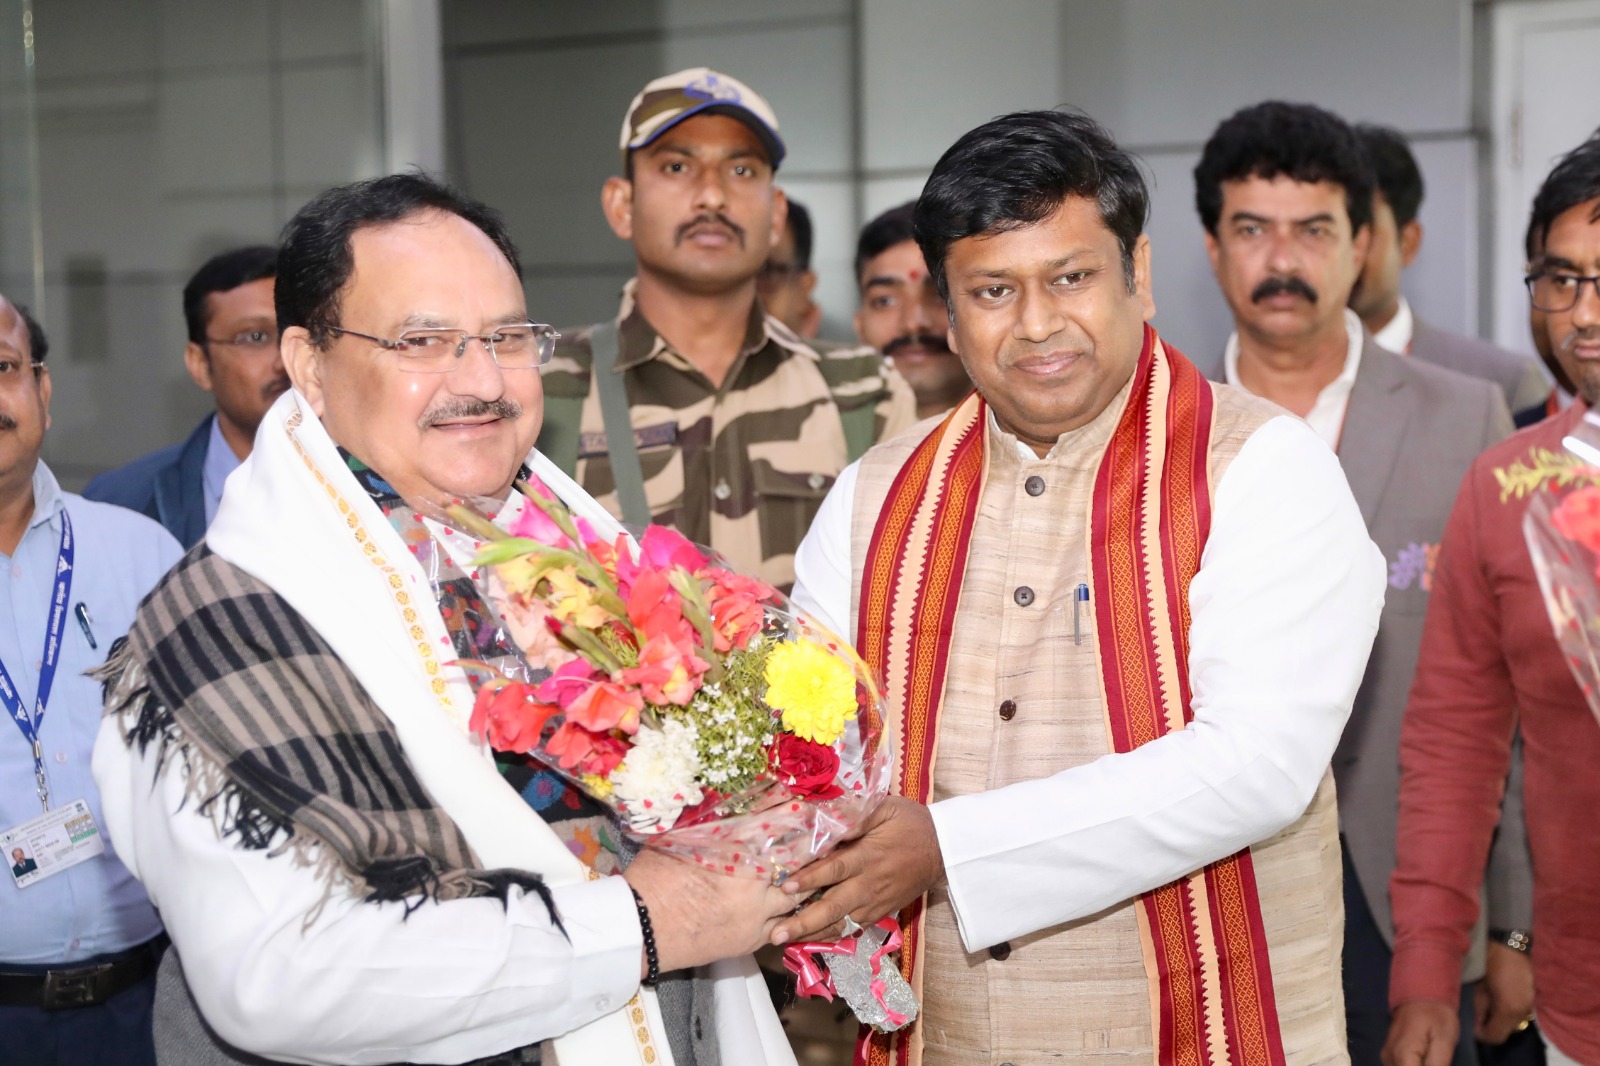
(591, 445)
(56, 840)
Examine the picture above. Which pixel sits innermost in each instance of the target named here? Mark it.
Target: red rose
(808, 768)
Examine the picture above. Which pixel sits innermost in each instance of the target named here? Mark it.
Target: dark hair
(800, 224)
(1394, 169)
(1574, 180)
(224, 273)
(882, 233)
(38, 343)
(1298, 141)
(314, 258)
(1015, 171)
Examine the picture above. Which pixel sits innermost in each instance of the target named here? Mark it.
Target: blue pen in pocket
(1079, 598)
(82, 614)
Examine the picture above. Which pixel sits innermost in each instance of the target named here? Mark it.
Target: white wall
(537, 90)
(170, 130)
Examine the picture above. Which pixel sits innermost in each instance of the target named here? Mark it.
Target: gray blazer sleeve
(1508, 882)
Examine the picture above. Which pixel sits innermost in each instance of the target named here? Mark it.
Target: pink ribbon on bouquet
(812, 980)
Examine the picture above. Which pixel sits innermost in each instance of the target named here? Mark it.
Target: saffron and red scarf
(1205, 946)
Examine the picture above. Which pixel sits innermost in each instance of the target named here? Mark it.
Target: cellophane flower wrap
(1562, 528)
(717, 720)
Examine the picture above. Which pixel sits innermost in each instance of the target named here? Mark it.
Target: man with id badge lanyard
(79, 942)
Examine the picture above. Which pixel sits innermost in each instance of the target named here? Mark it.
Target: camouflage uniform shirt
(744, 467)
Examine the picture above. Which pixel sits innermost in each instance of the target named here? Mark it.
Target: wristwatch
(1515, 939)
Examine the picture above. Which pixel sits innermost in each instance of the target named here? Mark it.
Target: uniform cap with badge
(669, 100)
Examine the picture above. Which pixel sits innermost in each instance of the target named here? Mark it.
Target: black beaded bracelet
(653, 968)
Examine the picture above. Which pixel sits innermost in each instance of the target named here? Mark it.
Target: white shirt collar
(1327, 414)
(46, 495)
(1396, 334)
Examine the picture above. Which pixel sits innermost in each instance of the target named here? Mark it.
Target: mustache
(450, 410)
(713, 218)
(934, 342)
(1289, 286)
(7, 422)
(1586, 335)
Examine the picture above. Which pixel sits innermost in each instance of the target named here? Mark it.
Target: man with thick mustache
(1285, 194)
(1490, 666)
(347, 873)
(902, 314)
(694, 408)
(233, 354)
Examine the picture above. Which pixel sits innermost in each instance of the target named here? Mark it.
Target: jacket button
(1023, 596)
(1034, 485)
(816, 481)
(1008, 710)
(722, 490)
(1001, 951)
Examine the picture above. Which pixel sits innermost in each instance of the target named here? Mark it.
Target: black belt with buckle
(85, 984)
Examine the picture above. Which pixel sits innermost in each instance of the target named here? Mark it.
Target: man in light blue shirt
(79, 940)
(233, 354)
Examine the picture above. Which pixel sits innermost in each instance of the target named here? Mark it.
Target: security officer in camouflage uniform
(694, 408)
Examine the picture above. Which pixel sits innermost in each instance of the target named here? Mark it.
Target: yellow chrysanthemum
(600, 786)
(814, 690)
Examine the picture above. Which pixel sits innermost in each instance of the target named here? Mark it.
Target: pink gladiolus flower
(656, 609)
(664, 547)
(667, 672)
(510, 717)
(569, 681)
(659, 549)
(534, 524)
(607, 705)
(529, 624)
(736, 613)
(585, 751)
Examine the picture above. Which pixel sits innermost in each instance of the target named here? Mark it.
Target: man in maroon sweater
(1489, 662)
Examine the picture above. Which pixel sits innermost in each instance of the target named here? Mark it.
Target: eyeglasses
(1557, 292)
(251, 341)
(439, 351)
(11, 370)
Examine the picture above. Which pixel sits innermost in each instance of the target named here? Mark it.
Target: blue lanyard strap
(29, 723)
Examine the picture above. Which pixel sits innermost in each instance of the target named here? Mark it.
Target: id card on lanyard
(29, 722)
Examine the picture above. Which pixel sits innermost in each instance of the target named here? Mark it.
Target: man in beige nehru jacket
(1121, 613)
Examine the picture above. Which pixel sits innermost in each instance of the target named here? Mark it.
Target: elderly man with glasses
(346, 875)
(233, 354)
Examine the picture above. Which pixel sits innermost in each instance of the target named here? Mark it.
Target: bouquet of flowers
(1562, 528)
(715, 719)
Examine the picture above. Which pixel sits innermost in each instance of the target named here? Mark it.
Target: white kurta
(367, 982)
(1271, 696)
